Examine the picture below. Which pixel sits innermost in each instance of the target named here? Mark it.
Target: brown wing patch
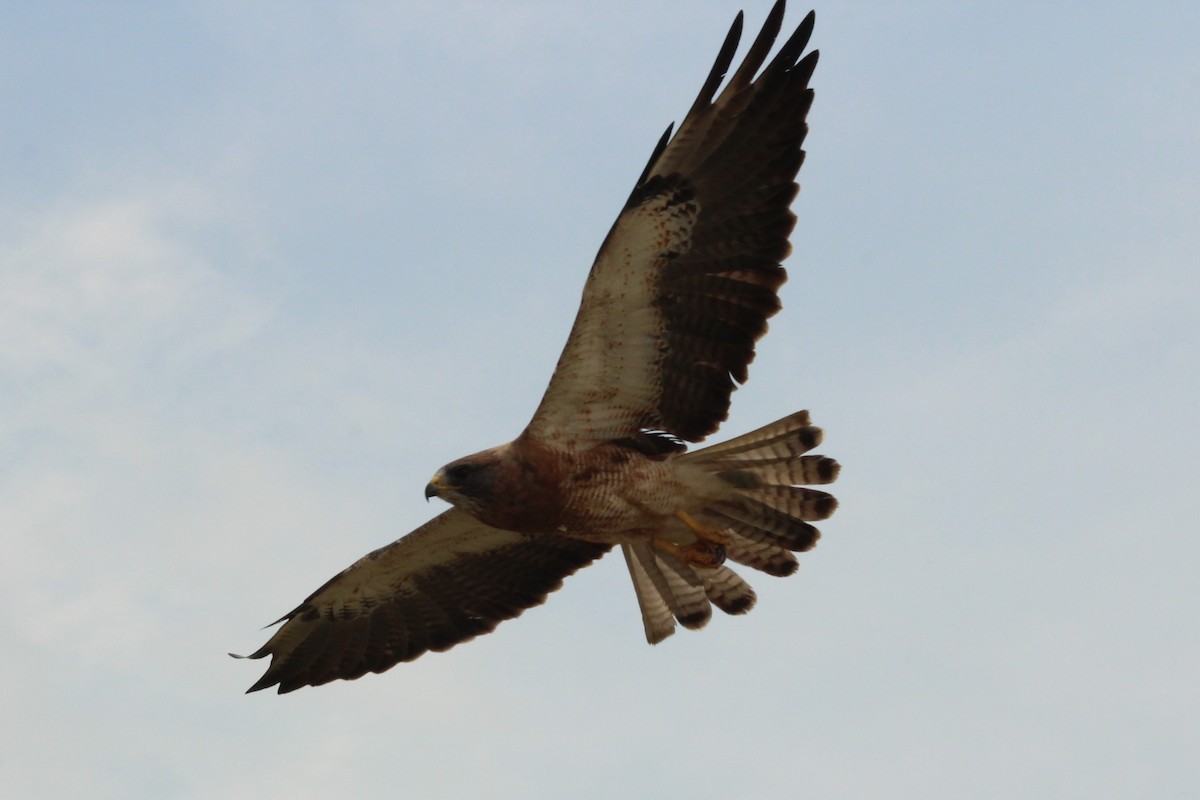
(377, 614)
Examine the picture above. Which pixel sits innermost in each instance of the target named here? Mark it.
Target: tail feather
(772, 559)
(726, 589)
(656, 614)
(798, 502)
(782, 439)
(684, 592)
(759, 522)
(807, 470)
(667, 590)
(766, 519)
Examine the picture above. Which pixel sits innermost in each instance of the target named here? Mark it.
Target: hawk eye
(459, 473)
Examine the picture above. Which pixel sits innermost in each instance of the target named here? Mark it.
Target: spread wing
(687, 277)
(448, 581)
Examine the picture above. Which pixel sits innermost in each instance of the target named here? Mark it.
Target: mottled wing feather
(450, 580)
(685, 281)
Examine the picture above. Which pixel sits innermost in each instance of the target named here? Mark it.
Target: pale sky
(265, 267)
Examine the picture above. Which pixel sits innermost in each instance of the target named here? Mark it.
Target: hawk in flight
(678, 295)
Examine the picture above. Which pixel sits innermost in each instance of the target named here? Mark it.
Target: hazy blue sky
(264, 267)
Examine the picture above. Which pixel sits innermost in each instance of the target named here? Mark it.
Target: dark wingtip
(658, 151)
(257, 654)
(810, 19)
(720, 67)
(262, 683)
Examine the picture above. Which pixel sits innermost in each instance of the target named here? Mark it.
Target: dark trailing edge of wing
(735, 156)
(433, 610)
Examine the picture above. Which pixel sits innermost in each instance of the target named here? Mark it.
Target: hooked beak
(431, 488)
(436, 486)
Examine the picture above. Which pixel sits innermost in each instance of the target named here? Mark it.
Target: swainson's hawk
(679, 293)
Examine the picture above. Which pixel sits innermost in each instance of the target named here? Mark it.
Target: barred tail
(769, 514)
(766, 519)
(669, 590)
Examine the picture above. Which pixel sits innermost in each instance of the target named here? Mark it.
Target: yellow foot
(707, 551)
(696, 554)
(703, 533)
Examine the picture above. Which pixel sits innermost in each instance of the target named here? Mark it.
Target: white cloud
(93, 287)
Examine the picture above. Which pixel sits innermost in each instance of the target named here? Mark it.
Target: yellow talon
(696, 554)
(707, 551)
(703, 533)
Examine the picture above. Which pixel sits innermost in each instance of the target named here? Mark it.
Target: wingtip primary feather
(658, 149)
(720, 67)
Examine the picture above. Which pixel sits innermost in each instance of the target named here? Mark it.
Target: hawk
(679, 294)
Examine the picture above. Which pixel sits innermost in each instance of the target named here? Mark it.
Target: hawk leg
(707, 551)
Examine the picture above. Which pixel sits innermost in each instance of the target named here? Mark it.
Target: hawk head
(468, 483)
